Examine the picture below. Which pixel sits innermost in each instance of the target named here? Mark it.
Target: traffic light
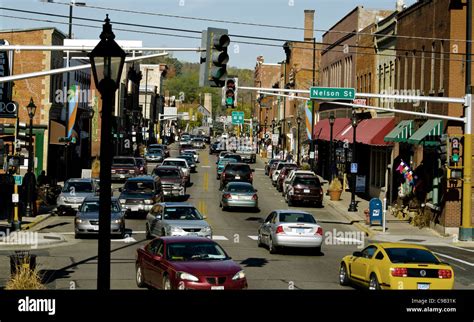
(455, 150)
(442, 149)
(22, 137)
(213, 69)
(230, 91)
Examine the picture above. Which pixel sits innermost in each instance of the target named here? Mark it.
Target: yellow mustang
(396, 266)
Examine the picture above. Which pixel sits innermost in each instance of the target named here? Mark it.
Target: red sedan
(196, 263)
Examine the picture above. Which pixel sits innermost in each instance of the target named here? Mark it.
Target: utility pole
(312, 149)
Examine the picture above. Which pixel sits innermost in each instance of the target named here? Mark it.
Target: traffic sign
(353, 167)
(237, 117)
(18, 180)
(334, 93)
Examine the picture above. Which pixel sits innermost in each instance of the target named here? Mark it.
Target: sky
(288, 13)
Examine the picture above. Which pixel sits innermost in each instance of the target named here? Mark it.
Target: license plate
(300, 230)
(192, 234)
(423, 286)
(306, 190)
(217, 287)
(122, 176)
(237, 177)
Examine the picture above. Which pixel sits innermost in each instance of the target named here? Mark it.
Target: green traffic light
(455, 158)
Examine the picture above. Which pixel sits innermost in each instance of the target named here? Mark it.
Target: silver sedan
(176, 219)
(290, 228)
(239, 194)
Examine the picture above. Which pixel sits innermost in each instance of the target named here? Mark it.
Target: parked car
(154, 155)
(173, 181)
(396, 266)
(290, 228)
(199, 143)
(73, 193)
(87, 218)
(176, 219)
(236, 172)
(277, 170)
(124, 168)
(291, 175)
(190, 159)
(199, 263)
(272, 168)
(304, 189)
(142, 166)
(269, 164)
(283, 174)
(139, 194)
(239, 194)
(181, 163)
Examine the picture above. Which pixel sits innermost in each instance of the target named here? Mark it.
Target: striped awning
(428, 134)
(401, 132)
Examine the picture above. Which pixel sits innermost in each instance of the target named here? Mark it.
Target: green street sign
(237, 117)
(332, 93)
(18, 180)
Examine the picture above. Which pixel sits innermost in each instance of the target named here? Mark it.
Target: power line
(256, 24)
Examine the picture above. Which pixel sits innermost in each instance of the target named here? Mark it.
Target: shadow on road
(257, 219)
(254, 262)
(56, 225)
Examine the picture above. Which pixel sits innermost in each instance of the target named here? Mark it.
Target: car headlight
(290, 192)
(122, 200)
(62, 198)
(79, 221)
(131, 171)
(174, 229)
(117, 221)
(113, 171)
(187, 277)
(206, 229)
(176, 186)
(238, 276)
(148, 201)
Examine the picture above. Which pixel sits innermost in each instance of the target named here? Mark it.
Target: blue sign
(353, 167)
(18, 180)
(375, 211)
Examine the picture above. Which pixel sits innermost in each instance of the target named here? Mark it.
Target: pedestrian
(30, 192)
(43, 179)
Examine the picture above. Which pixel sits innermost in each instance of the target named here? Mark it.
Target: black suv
(139, 194)
(236, 172)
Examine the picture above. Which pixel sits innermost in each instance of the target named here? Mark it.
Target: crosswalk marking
(349, 240)
(259, 169)
(253, 237)
(205, 166)
(125, 240)
(217, 237)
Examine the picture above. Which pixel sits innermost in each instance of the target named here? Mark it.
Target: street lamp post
(331, 145)
(107, 60)
(298, 122)
(31, 108)
(353, 204)
(273, 132)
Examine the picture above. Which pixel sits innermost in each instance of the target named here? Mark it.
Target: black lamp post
(298, 122)
(273, 132)
(107, 60)
(31, 108)
(353, 204)
(331, 145)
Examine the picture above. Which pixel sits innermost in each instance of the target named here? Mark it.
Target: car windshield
(411, 255)
(78, 186)
(240, 188)
(307, 181)
(190, 251)
(139, 186)
(155, 151)
(297, 217)
(140, 162)
(281, 166)
(242, 169)
(124, 161)
(188, 158)
(166, 173)
(175, 163)
(93, 206)
(182, 213)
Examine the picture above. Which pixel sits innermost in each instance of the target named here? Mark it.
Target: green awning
(428, 134)
(401, 132)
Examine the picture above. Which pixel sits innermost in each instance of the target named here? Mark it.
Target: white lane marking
(72, 233)
(253, 237)
(465, 249)
(455, 259)
(138, 232)
(125, 240)
(217, 237)
(259, 169)
(205, 166)
(348, 240)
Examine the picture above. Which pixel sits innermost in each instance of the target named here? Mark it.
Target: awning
(369, 131)
(401, 132)
(322, 130)
(428, 134)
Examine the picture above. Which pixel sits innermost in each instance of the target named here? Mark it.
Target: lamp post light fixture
(274, 123)
(107, 60)
(353, 204)
(31, 108)
(298, 151)
(332, 119)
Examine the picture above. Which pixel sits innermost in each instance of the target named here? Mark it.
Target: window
(422, 74)
(411, 255)
(397, 73)
(270, 217)
(405, 73)
(413, 70)
(441, 67)
(379, 160)
(154, 246)
(379, 255)
(286, 217)
(432, 74)
(369, 251)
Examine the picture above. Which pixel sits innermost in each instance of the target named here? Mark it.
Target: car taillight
(255, 197)
(113, 171)
(251, 176)
(279, 230)
(319, 231)
(227, 196)
(445, 273)
(399, 272)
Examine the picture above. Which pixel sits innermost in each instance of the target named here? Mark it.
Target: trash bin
(22, 259)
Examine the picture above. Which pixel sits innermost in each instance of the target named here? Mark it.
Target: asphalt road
(73, 265)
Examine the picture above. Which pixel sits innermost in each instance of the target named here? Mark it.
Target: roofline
(340, 20)
(34, 29)
(412, 8)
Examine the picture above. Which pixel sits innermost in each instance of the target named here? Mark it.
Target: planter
(335, 195)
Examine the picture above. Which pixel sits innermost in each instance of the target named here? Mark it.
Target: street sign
(237, 117)
(15, 198)
(353, 167)
(334, 93)
(18, 180)
(275, 139)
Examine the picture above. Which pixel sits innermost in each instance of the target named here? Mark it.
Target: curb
(34, 223)
(356, 222)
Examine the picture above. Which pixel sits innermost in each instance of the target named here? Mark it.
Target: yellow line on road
(205, 182)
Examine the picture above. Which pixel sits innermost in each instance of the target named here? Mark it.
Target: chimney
(400, 4)
(308, 25)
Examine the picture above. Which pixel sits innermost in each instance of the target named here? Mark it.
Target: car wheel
(148, 232)
(374, 283)
(166, 283)
(139, 276)
(77, 236)
(317, 250)
(290, 203)
(259, 240)
(343, 275)
(271, 247)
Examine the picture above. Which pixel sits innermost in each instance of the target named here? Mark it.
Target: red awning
(369, 131)
(322, 130)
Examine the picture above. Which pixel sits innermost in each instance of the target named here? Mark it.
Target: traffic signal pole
(466, 231)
